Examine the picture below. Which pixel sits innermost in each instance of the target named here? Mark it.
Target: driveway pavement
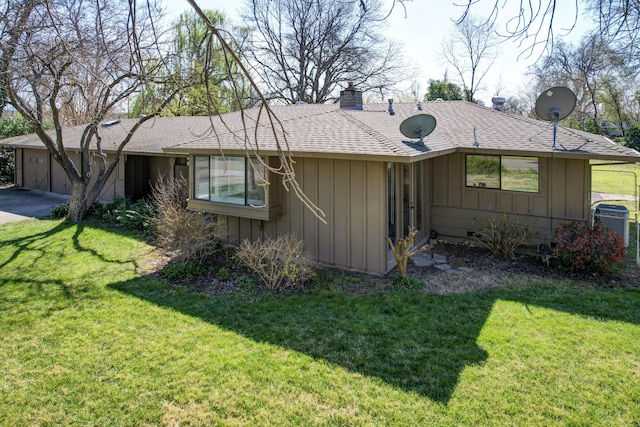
(17, 203)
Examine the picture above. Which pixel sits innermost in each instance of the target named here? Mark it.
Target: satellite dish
(418, 126)
(554, 105)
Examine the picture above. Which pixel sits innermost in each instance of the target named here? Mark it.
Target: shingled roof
(325, 130)
(328, 131)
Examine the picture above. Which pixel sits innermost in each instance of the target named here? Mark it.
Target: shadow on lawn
(33, 243)
(39, 243)
(415, 341)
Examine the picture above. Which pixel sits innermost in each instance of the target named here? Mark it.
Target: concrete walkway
(18, 204)
(597, 197)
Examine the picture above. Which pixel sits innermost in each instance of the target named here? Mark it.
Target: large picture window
(502, 172)
(233, 180)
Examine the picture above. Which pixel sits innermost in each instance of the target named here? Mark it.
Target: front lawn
(90, 338)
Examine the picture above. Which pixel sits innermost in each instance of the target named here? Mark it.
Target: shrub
(183, 271)
(407, 282)
(587, 250)
(60, 211)
(279, 262)
(403, 250)
(224, 273)
(632, 136)
(191, 235)
(7, 162)
(502, 237)
(124, 214)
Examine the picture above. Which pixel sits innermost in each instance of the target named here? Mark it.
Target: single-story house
(369, 180)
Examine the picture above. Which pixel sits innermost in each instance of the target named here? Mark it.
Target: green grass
(615, 179)
(89, 339)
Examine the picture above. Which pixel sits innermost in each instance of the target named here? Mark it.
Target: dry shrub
(279, 262)
(403, 249)
(191, 235)
(502, 237)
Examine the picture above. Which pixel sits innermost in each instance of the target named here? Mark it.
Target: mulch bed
(480, 270)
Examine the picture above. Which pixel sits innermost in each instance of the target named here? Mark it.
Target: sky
(427, 23)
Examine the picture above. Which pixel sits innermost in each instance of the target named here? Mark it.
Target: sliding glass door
(406, 199)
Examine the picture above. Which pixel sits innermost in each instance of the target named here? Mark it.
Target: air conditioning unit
(614, 216)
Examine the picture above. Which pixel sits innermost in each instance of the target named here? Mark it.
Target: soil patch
(472, 268)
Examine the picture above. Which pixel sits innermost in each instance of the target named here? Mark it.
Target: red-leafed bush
(587, 250)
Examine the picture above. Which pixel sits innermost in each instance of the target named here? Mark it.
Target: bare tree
(77, 61)
(13, 25)
(303, 50)
(471, 49)
(585, 68)
(535, 24)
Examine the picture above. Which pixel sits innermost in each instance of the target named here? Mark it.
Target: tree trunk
(78, 203)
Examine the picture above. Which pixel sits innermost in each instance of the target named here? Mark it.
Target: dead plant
(502, 237)
(279, 262)
(188, 235)
(403, 249)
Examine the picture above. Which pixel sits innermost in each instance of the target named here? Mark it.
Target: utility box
(614, 216)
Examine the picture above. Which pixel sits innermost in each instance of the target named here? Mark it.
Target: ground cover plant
(92, 336)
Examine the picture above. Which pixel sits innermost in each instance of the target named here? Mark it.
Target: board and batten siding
(351, 193)
(456, 210)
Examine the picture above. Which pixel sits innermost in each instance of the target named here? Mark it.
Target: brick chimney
(351, 98)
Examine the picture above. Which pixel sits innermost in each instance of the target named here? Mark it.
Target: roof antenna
(554, 105)
(418, 126)
(391, 112)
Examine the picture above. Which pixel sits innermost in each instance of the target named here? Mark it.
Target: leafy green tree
(15, 127)
(632, 137)
(444, 90)
(215, 80)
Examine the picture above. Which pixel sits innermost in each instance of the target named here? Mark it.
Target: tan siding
(576, 196)
(339, 213)
(60, 183)
(521, 204)
(357, 215)
(256, 229)
(563, 195)
(352, 195)
(19, 167)
(456, 222)
(36, 169)
(244, 229)
(376, 217)
(269, 228)
(456, 178)
(310, 221)
(326, 243)
(439, 182)
(488, 200)
(296, 207)
(233, 229)
(558, 188)
(470, 199)
(505, 202)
